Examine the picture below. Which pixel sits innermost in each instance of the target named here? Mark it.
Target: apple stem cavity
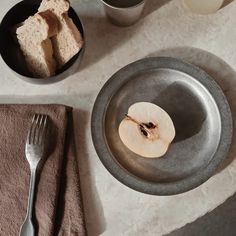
(149, 130)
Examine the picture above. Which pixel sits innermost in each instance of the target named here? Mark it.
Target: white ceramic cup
(203, 6)
(123, 12)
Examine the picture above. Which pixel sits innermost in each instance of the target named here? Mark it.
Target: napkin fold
(58, 204)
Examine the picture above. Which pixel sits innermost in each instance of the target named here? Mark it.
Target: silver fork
(34, 151)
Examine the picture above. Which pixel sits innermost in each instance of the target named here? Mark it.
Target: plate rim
(115, 168)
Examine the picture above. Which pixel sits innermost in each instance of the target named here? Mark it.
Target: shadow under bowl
(10, 50)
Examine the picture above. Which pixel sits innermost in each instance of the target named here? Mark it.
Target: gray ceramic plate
(200, 113)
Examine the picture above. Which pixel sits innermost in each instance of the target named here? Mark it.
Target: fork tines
(38, 129)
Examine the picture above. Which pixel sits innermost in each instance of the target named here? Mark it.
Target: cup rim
(123, 8)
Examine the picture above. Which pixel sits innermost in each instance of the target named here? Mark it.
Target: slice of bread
(68, 41)
(34, 40)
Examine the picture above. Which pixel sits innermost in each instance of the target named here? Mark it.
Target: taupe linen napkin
(58, 205)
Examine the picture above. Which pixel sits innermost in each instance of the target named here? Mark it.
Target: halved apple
(147, 130)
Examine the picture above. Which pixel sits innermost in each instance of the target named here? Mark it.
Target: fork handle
(27, 228)
(31, 193)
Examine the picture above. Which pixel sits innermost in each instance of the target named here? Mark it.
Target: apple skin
(144, 141)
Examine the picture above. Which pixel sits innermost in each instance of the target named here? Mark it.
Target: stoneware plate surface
(200, 113)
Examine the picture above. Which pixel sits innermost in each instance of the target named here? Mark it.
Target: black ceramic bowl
(11, 53)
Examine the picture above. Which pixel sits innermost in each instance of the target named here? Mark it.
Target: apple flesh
(147, 130)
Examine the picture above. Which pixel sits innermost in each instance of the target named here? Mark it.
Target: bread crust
(68, 41)
(58, 7)
(34, 40)
(52, 22)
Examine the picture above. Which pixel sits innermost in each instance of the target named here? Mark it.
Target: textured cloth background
(58, 206)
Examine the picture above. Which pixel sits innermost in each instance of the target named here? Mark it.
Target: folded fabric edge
(69, 198)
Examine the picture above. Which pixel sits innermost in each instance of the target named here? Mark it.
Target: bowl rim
(120, 173)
